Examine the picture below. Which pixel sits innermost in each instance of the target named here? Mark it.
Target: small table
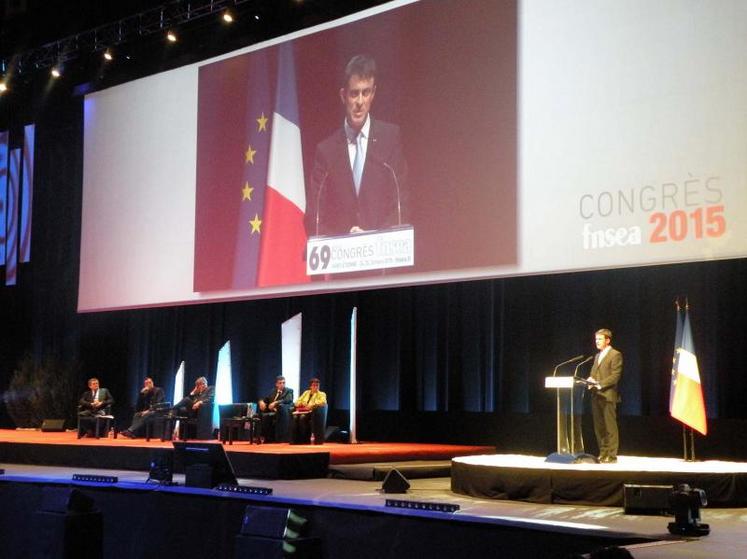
(167, 422)
(231, 424)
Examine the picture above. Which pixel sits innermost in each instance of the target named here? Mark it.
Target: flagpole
(692, 445)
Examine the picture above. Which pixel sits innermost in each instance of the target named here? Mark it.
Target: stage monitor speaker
(53, 425)
(272, 522)
(334, 434)
(395, 482)
(646, 499)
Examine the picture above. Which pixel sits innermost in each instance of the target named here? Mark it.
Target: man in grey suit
(604, 376)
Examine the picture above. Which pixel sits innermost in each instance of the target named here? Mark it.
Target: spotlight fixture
(3, 87)
(171, 36)
(227, 16)
(56, 72)
(108, 56)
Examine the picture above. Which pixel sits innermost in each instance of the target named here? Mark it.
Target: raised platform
(269, 461)
(145, 520)
(530, 478)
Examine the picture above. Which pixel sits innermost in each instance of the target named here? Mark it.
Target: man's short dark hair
(279, 378)
(606, 332)
(90, 380)
(314, 380)
(360, 65)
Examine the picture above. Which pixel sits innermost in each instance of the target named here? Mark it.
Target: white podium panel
(358, 252)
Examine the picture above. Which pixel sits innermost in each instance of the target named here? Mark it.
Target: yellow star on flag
(262, 122)
(255, 223)
(246, 192)
(249, 155)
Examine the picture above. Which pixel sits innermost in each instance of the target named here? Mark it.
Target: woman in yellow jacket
(310, 416)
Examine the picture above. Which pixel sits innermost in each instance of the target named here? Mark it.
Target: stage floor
(530, 478)
(274, 461)
(728, 537)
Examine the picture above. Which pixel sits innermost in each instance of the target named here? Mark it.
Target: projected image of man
(359, 179)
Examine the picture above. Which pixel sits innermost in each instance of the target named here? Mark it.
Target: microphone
(571, 360)
(319, 197)
(380, 161)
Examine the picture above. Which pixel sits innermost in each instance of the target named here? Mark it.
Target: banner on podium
(358, 252)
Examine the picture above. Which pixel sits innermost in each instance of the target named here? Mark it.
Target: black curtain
(480, 346)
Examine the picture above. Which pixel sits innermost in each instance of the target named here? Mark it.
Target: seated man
(94, 402)
(310, 415)
(201, 395)
(198, 405)
(149, 395)
(275, 410)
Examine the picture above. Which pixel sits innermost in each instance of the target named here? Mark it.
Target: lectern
(569, 438)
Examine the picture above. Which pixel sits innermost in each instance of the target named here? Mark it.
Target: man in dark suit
(275, 412)
(201, 395)
(95, 400)
(604, 376)
(149, 395)
(359, 180)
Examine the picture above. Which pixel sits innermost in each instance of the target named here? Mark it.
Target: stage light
(92, 478)
(422, 505)
(256, 16)
(247, 489)
(685, 503)
(108, 56)
(56, 72)
(171, 36)
(3, 87)
(228, 16)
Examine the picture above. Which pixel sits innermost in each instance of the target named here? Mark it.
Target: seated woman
(310, 415)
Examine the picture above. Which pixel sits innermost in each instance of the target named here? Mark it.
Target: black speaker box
(53, 425)
(334, 434)
(266, 522)
(199, 475)
(646, 499)
(395, 482)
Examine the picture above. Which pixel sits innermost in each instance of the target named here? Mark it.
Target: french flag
(686, 402)
(283, 241)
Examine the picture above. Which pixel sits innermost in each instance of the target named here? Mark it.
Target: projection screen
(502, 139)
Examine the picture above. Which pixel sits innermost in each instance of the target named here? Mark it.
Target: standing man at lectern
(359, 179)
(604, 376)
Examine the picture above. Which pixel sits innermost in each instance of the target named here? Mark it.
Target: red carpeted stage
(270, 461)
(531, 479)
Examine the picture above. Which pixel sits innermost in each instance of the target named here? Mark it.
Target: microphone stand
(319, 197)
(396, 186)
(571, 360)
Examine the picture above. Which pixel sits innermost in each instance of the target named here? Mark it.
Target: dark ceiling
(28, 25)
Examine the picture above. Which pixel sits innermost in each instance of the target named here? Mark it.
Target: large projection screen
(512, 137)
